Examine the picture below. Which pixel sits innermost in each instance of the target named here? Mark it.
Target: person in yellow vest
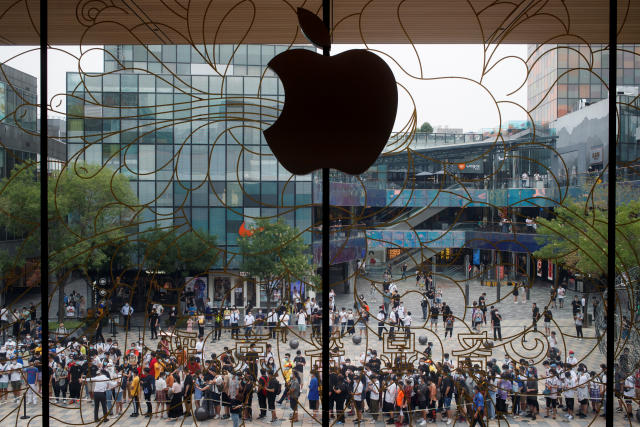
(134, 391)
(287, 370)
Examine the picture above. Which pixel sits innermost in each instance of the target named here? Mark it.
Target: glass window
(269, 193)
(269, 169)
(286, 193)
(147, 83)
(168, 53)
(197, 54)
(218, 193)
(129, 82)
(269, 86)
(139, 53)
(183, 161)
(199, 219)
(240, 56)
(252, 196)
(234, 194)
(234, 85)
(147, 162)
(184, 53)
(218, 221)
(111, 83)
(303, 193)
(181, 133)
(181, 194)
(73, 81)
(164, 191)
(147, 192)
(93, 83)
(251, 86)
(217, 164)
(252, 165)
(199, 162)
(234, 163)
(200, 195)
(164, 164)
(267, 54)
(199, 133)
(200, 84)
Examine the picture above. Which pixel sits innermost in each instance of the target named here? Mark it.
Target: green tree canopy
(89, 207)
(179, 254)
(426, 128)
(276, 252)
(577, 235)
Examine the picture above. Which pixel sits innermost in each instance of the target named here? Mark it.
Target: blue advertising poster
(476, 257)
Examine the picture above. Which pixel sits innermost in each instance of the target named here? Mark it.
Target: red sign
(461, 166)
(549, 270)
(539, 268)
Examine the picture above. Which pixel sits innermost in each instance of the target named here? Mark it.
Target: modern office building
(190, 140)
(565, 77)
(20, 142)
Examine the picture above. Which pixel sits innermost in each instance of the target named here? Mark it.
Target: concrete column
(466, 282)
(529, 279)
(498, 277)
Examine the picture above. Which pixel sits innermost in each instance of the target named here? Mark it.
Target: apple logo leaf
(314, 29)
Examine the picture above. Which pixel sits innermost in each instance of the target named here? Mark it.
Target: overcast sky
(446, 93)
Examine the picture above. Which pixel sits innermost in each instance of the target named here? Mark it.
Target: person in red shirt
(152, 365)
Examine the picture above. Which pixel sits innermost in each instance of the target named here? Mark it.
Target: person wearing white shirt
(284, 323)
(249, 319)
(15, 377)
(4, 381)
(358, 388)
(100, 385)
(572, 360)
(389, 399)
(381, 317)
(302, 322)
(583, 391)
(234, 319)
(374, 396)
(343, 321)
(393, 319)
(407, 324)
(126, 312)
(568, 384)
(629, 394)
(200, 348)
(272, 320)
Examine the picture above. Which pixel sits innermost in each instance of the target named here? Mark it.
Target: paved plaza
(516, 317)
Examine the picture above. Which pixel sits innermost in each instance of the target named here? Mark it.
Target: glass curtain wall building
(189, 136)
(563, 75)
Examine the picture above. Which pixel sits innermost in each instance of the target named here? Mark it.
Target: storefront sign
(596, 155)
(393, 252)
(539, 268)
(549, 270)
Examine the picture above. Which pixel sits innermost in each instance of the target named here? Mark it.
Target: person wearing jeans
(236, 410)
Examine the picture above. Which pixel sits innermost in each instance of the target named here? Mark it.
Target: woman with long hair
(175, 404)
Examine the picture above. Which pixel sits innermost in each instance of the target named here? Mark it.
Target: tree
(274, 254)
(577, 235)
(89, 207)
(426, 128)
(179, 254)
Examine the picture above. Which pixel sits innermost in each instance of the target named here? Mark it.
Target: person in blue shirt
(31, 373)
(314, 394)
(478, 407)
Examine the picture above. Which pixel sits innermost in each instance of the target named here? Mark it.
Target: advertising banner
(549, 270)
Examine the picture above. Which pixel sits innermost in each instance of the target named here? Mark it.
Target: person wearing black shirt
(187, 393)
(75, 373)
(147, 388)
(547, 320)
(153, 324)
(341, 393)
(576, 306)
(446, 389)
(262, 393)
(482, 304)
(496, 319)
(236, 408)
(272, 391)
(299, 363)
(535, 315)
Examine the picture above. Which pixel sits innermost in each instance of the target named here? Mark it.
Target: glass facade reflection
(189, 139)
(563, 75)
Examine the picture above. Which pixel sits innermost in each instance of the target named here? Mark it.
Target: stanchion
(25, 416)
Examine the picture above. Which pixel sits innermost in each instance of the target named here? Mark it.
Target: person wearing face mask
(287, 369)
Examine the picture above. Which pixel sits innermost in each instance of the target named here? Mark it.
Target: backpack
(477, 316)
(277, 388)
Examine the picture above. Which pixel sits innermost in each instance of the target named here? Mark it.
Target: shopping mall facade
(191, 143)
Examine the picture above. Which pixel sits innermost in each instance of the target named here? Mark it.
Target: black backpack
(277, 388)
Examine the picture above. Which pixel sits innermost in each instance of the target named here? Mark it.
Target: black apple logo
(339, 110)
